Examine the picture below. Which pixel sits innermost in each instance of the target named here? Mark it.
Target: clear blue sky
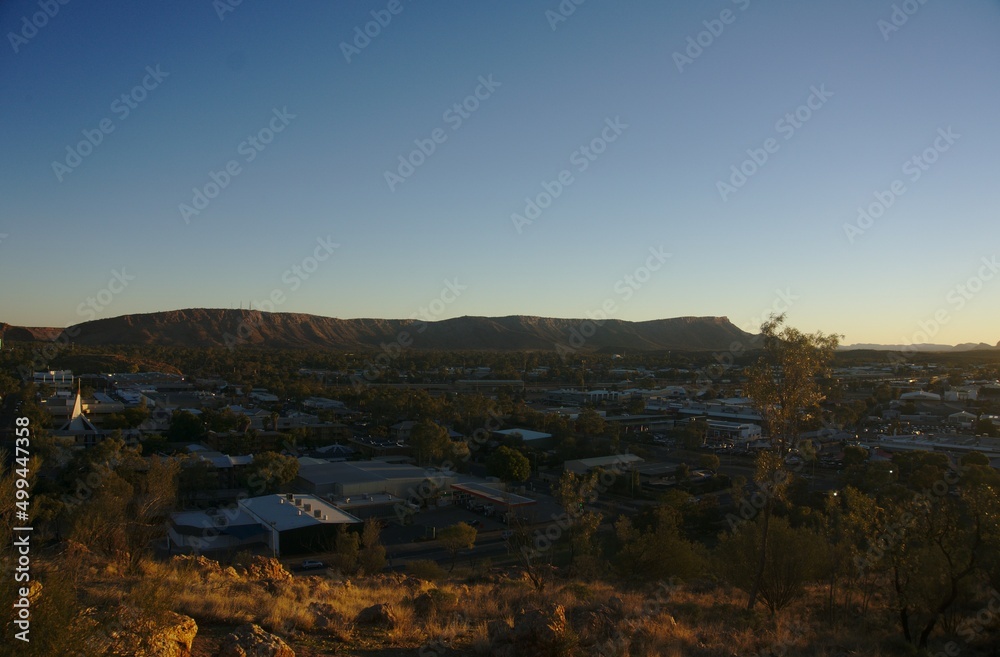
(656, 186)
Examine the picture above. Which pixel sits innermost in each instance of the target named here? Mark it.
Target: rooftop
(284, 512)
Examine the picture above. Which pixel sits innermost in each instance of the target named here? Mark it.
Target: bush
(426, 569)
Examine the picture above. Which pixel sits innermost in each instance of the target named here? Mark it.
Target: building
(383, 506)
(533, 438)
(58, 379)
(505, 504)
(285, 524)
(615, 462)
(580, 397)
(78, 426)
(921, 396)
(356, 478)
(401, 431)
(741, 432)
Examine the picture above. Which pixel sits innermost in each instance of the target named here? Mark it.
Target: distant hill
(201, 327)
(28, 333)
(967, 346)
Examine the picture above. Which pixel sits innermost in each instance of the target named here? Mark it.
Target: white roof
(525, 434)
(283, 514)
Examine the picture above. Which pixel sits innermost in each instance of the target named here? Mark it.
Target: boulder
(174, 636)
(250, 640)
(540, 630)
(167, 635)
(267, 568)
(380, 615)
(326, 615)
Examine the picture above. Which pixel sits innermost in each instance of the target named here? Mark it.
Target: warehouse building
(285, 524)
(355, 478)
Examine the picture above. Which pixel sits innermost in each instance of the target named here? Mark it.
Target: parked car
(311, 565)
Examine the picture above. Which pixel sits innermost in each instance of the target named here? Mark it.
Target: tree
(508, 465)
(346, 550)
(269, 472)
(694, 434)
(793, 558)
(456, 538)
(854, 455)
(709, 462)
(572, 493)
(185, 426)
(975, 458)
(372, 557)
(136, 415)
(783, 387)
(590, 423)
(429, 441)
(658, 551)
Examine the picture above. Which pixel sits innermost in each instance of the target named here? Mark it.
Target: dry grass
(705, 619)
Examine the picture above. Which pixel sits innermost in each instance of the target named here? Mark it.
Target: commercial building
(356, 478)
(285, 524)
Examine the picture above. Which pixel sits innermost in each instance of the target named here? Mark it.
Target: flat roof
(602, 461)
(357, 472)
(525, 434)
(486, 491)
(238, 523)
(365, 500)
(283, 514)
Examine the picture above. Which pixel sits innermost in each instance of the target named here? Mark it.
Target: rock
(326, 615)
(167, 635)
(424, 605)
(267, 568)
(205, 567)
(377, 615)
(540, 630)
(174, 638)
(251, 640)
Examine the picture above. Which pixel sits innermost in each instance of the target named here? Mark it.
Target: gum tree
(784, 388)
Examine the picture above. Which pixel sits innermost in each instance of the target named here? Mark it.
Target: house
(401, 431)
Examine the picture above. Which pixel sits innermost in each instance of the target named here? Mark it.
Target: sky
(585, 158)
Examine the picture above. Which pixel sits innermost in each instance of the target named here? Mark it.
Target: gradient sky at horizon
(780, 236)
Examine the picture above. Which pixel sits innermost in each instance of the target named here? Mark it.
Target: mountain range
(200, 327)
(206, 327)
